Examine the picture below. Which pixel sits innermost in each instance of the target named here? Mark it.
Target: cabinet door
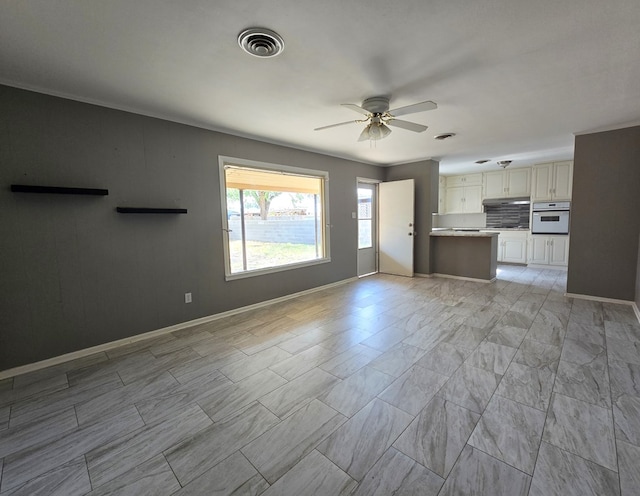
(473, 199)
(473, 179)
(442, 191)
(539, 250)
(453, 181)
(519, 182)
(494, 184)
(541, 183)
(562, 180)
(559, 252)
(455, 200)
(514, 250)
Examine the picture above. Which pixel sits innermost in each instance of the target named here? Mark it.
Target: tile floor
(387, 385)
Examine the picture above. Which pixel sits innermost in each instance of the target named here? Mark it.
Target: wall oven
(550, 218)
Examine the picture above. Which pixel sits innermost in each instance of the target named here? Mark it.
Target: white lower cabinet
(512, 246)
(549, 250)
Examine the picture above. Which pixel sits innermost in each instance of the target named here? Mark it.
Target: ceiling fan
(379, 117)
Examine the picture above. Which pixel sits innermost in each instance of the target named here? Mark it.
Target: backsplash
(459, 220)
(507, 215)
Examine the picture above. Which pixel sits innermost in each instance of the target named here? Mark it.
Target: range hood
(496, 202)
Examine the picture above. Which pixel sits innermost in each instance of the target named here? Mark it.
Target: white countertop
(464, 234)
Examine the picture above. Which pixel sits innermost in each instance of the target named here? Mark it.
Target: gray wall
(605, 215)
(425, 175)
(76, 274)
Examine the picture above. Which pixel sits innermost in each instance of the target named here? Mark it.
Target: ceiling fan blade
(412, 109)
(409, 126)
(334, 125)
(357, 108)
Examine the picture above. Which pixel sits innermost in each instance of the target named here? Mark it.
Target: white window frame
(324, 175)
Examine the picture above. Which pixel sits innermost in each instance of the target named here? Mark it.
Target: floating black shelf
(58, 190)
(141, 210)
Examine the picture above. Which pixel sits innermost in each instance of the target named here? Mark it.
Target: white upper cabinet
(465, 180)
(442, 194)
(464, 200)
(552, 181)
(507, 184)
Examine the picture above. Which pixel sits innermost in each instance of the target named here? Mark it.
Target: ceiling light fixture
(375, 131)
(483, 161)
(261, 42)
(444, 136)
(504, 163)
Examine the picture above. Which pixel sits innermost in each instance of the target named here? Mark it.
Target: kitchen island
(464, 254)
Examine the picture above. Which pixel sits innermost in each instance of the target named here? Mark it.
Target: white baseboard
(544, 267)
(607, 300)
(461, 278)
(418, 274)
(23, 369)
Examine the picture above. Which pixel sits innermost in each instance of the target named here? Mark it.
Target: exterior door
(367, 229)
(396, 221)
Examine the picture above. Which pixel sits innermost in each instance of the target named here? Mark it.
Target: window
(274, 217)
(365, 218)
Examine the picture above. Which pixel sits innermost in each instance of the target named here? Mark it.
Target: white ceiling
(514, 79)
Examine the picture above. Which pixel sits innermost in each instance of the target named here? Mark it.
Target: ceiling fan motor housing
(376, 104)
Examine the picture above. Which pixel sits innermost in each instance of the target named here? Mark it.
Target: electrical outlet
(187, 297)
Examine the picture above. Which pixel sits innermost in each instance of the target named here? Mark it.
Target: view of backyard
(261, 255)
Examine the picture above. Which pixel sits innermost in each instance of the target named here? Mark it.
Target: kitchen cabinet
(507, 184)
(549, 250)
(552, 181)
(464, 180)
(464, 200)
(512, 246)
(442, 192)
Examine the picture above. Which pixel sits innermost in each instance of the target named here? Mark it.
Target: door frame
(374, 182)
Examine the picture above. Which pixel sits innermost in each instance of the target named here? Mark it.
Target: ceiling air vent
(261, 42)
(483, 161)
(444, 136)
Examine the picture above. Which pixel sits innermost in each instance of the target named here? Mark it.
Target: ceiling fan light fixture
(374, 132)
(261, 42)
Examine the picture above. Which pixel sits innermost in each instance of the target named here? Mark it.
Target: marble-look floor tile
(208, 447)
(560, 472)
(357, 444)
(527, 385)
(397, 360)
(288, 398)
(254, 344)
(114, 459)
(549, 328)
(619, 330)
(282, 446)
(437, 436)
(353, 393)
(470, 387)
(467, 337)
(245, 367)
(228, 399)
(150, 478)
(233, 476)
(68, 479)
(344, 340)
(587, 312)
(587, 333)
(396, 473)
(581, 428)
(506, 336)
(477, 473)
(33, 462)
(624, 378)
(427, 337)
(314, 475)
(619, 313)
(350, 361)
(511, 432)
(515, 319)
(444, 359)
(587, 382)
(414, 389)
(492, 357)
(623, 350)
(629, 468)
(539, 355)
(303, 362)
(626, 415)
(486, 317)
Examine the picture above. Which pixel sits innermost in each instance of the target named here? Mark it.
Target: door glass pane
(365, 239)
(365, 215)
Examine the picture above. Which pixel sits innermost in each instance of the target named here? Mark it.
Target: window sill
(272, 270)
